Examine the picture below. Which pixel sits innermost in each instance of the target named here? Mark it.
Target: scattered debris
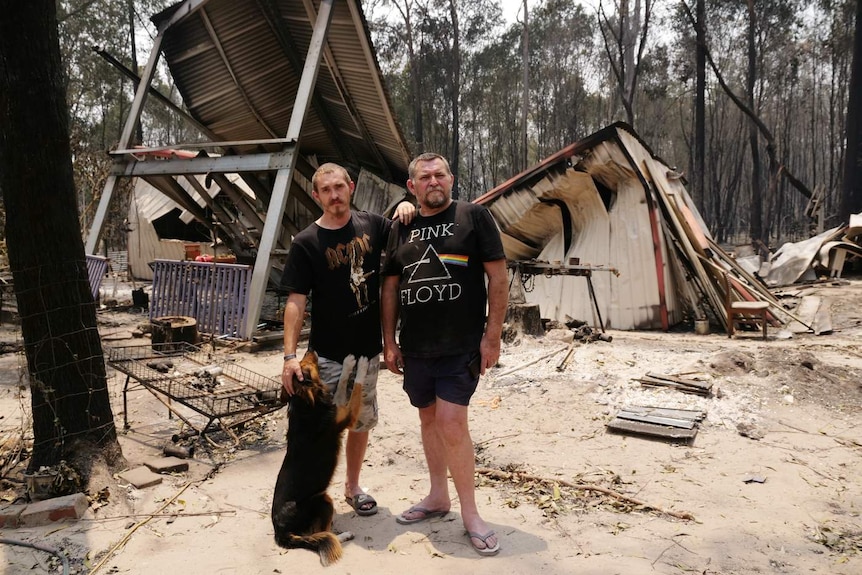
(52, 481)
(582, 334)
(844, 539)
(179, 451)
(100, 498)
(529, 363)
(586, 334)
(750, 430)
(551, 493)
(161, 366)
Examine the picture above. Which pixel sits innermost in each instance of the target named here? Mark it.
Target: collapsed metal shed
(608, 203)
(274, 87)
(160, 228)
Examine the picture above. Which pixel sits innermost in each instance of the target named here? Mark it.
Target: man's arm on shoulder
(404, 212)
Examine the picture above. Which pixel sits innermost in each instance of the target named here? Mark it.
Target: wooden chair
(747, 312)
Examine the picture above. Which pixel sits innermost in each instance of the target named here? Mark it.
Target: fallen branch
(529, 363)
(141, 523)
(157, 515)
(510, 476)
(498, 438)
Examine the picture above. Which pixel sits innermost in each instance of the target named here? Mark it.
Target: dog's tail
(326, 544)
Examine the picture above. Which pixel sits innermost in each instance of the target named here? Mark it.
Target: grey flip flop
(426, 515)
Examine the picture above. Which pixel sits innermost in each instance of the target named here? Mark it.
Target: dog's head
(310, 390)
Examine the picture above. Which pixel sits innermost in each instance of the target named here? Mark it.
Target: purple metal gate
(215, 294)
(96, 268)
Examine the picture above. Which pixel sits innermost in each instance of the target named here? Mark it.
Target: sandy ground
(772, 481)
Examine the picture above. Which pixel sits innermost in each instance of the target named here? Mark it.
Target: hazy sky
(511, 8)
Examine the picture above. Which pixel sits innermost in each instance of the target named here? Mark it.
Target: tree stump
(171, 332)
(525, 318)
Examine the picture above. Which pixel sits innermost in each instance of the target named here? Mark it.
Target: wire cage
(209, 385)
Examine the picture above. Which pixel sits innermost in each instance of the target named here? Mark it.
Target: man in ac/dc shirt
(336, 261)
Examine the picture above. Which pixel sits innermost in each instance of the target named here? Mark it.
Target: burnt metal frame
(284, 162)
(248, 395)
(557, 268)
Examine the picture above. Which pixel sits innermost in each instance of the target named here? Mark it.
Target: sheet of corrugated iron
(229, 62)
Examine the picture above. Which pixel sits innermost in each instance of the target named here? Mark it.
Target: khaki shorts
(331, 373)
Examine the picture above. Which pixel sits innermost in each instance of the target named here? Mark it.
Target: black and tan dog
(301, 509)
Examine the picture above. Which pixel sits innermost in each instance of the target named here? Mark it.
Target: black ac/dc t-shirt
(340, 269)
(442, 296)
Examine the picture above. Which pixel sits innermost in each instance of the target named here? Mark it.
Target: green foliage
(99, 96)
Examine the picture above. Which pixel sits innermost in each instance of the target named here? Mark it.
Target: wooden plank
(692, 382)
(672, 215)
(657, 420)
(646, 382)
(692, 414)
(639, 428)
(680, 388)
(697, 390)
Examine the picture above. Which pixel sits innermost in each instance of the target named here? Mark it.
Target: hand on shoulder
(404, 212)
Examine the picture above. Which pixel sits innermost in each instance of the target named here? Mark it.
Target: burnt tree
(851, 193)
(72, 418)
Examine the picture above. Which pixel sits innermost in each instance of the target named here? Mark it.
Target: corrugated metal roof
(238, 63)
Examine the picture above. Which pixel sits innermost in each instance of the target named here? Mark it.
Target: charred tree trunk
(755, 224)
(415, 79)
(456, 97)
(851, 190)
(700, 104)
(777, 168)
(71, 408)
(525, 95)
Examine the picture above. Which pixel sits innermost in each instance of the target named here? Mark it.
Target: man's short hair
(329, 168)
(427, 157)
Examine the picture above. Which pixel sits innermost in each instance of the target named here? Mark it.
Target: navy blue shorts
(448, 377)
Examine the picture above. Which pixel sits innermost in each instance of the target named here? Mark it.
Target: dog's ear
(309, 365)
